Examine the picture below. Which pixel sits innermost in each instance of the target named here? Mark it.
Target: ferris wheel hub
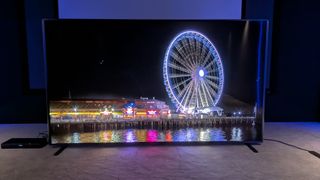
(201, 73)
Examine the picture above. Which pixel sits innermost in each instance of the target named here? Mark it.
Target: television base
(60, 150)
(251, 147)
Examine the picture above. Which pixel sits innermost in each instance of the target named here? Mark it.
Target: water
(216, 134)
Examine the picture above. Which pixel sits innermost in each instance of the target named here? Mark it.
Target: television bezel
(111, 144)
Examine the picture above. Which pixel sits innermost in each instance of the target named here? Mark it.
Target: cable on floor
(294, 146)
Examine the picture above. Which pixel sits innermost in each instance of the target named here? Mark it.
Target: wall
(35, 10)
(295, 80)
(261, 9)
(17, 104)
(142, 9)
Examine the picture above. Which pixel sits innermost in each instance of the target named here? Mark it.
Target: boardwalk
(96, 125)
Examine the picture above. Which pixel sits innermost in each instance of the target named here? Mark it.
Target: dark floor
(274, 160)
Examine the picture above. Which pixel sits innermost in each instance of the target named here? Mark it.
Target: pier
(160, 124)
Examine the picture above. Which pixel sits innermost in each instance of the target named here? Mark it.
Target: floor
(274, 160)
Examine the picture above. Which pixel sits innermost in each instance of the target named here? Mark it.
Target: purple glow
(130, 136)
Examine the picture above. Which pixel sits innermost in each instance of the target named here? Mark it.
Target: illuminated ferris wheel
(193, 73)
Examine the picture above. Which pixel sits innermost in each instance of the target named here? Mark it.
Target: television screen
(155, 81)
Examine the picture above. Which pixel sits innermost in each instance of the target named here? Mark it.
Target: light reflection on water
(151, 135)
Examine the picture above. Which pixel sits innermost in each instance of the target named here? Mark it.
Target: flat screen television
(155, 81)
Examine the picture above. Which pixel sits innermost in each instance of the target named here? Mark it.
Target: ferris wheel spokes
(181, 61)
(180, 68)
(212, 77)
(181, 83)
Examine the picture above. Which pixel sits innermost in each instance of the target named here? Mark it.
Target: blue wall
(18, 104)
(261, 9)
(294, 81)
(34, 11)
(150, 9)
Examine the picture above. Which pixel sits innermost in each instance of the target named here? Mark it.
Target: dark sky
(113, 58)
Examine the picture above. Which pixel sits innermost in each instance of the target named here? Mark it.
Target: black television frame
(263, 91)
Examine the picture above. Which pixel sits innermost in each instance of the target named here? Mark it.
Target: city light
(152, 112)
(129, 111)
(141, 113)
(105, 112)
(75, 113)
(201, 73)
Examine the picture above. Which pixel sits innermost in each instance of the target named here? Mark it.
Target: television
(155, 81)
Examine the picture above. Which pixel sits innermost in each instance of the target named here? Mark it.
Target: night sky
(104, 59)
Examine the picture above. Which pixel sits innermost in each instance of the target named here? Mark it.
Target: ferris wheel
(193, 72)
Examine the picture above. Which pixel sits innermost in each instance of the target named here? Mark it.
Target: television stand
(60, 150)
(251, 147)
